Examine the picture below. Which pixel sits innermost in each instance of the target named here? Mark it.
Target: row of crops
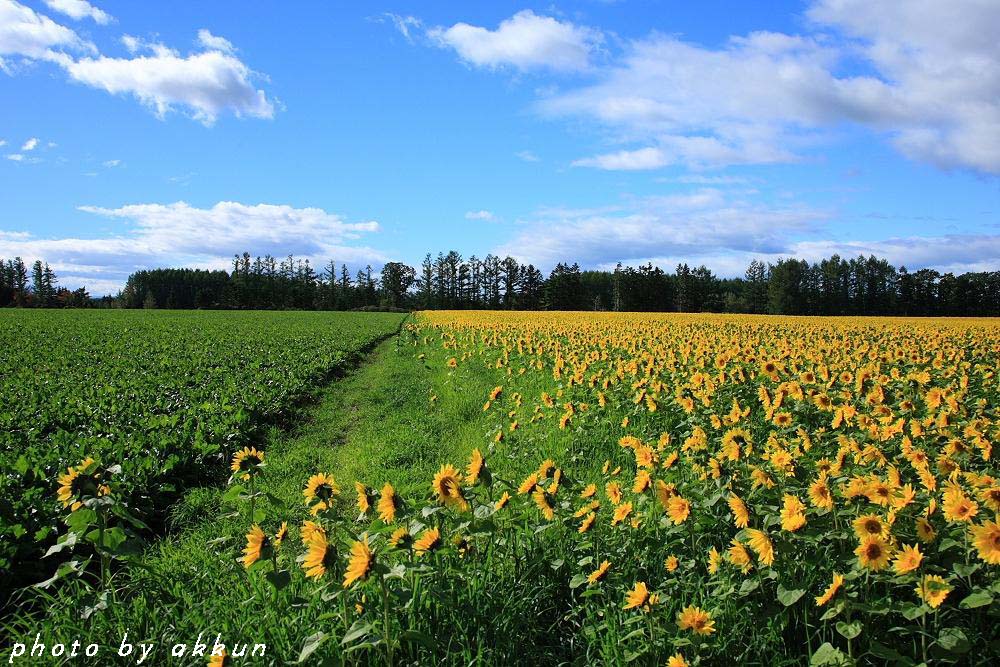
(170, 395)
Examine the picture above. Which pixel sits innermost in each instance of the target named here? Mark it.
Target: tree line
(833, 286)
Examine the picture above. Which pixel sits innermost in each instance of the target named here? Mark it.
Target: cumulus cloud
(683, 224)
(480, 215)
(30, 144)
(214, 42)
(926, 75)
(79, 10)
(205, 84)
(27, 34)
(526, 41)
(178, 234)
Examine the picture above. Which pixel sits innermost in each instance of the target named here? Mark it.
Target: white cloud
(683, 224)
(3, 143)
(178, 234)
(79, 10)
(525, 41)
(480, 215)
(110, 164)
(15, 157)
(643, 158)
(404, 24)
(30, 144)
(527, 156)
(27, 34)
(205, 84)
(925, 75)
(214, 42)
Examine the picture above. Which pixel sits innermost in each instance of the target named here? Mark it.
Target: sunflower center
(873, 552)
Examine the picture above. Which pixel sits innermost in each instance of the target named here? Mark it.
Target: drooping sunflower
(544, 503)
(925, 531)
(696, 620)
(401, 538)
(741, 516)
(388, 503)
(361, 562)
(247, 462)
(474, 468)
(735, 441)
(714, 560)
(222, 659)
(761, 545)
(873, 553)
(258, 546)
(642, 481)
(907, 559)
(678, 509)
(428, 541)
(503, 500)
(588, 491)
(933, 589)
(621, 513)
(365, 495)
(320, 556)
(309, 529)
(320, 492)
(986, 539)
(639, 597)
(819, 494)
(739, 556)
(280, 536)
(991, 496)
(793, 513)
(587, 522)
(831, 590)
(447, 487)
(599, 573)
(529, 484)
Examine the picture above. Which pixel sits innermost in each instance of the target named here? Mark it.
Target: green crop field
(503, 488)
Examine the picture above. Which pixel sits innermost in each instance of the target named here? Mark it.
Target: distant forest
(834, 286)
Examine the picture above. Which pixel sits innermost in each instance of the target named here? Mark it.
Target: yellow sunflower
(793, 513)
(599, 573)
(587, 522)
(986, 539)
(868, 525)
(544, 503)
(319, 557)
(258, 546)
(361, 562)
(831, 590)
(320, 492)
(907, 560)
(621, 513)
(221, 660)
(247, 462)
(474, 468)
(428, 541)
(640, 597)
(678, 509)
(762, 546)
(696, 620)
(933, 589)
(504, 499)
(741, 516)
(388, 503)
(400, 538)
(873, 553)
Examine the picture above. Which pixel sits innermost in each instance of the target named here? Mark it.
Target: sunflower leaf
(309, 647)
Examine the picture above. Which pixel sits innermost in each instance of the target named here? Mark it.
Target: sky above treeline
(146, 134)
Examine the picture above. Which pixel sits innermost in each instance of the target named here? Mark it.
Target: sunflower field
(637, 488)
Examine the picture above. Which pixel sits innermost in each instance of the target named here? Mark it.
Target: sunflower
(447, 486)
(587, 522)
(991, 497)
(529, 484)
(819, 494)
(642, 481)
(474, 468)
(986, 539)
(678, 509)
(868, 525)
(320, 492)
(734, 442)
(401, 538)
(907, 560)
(933, 589)
(80, 482)
(428, 541)
(388, 503)
(589, 491)
(762, 546)
(639, 597)
(677, 660)
(319, 557)
(739, 509)
(247, 462)
(925, 531)
(663, 492)
(365, 497)
(739, 556)
(831, 590)
(613, 492)
(544, 503)
(959, 508)
(714, 560)
(599, 573)
(782, 419)
(671, 563)
(280, 536)
(504, 499)
(621, 513)
(873, 553)
(696, 620)
(793, 513)
(221, 660)
(309, 529)
(361, 562)
(258, 546)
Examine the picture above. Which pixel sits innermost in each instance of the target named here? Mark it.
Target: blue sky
(176, 134)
